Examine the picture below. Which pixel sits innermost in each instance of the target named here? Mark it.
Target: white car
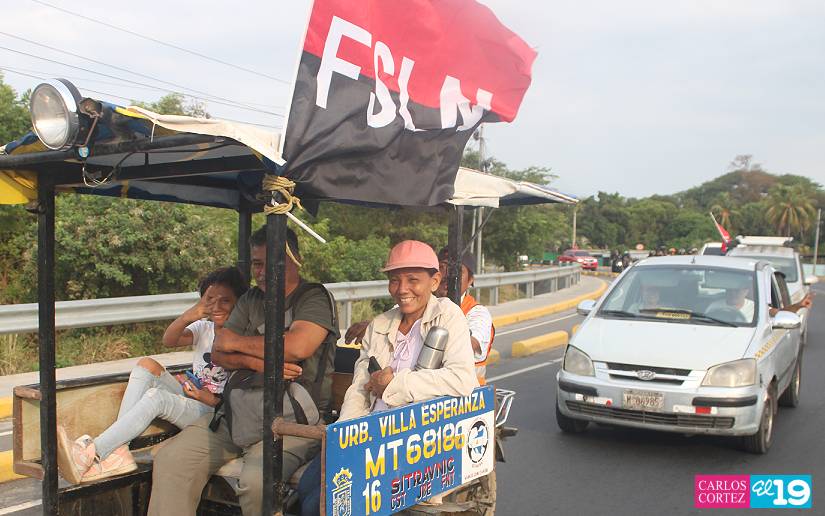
(786, 261)
(687, 344)
(712, 249)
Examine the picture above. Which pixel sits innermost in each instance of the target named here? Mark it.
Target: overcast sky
(638, 96)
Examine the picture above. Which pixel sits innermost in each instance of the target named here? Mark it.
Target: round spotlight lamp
(54, 113)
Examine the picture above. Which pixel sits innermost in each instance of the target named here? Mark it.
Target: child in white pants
(154, 393)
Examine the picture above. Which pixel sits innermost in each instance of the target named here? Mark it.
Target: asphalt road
(22, 497)
(617, 471)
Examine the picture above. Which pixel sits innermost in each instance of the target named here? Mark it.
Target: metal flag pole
(274, 304)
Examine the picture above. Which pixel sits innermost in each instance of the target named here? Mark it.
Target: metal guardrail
(134, 309)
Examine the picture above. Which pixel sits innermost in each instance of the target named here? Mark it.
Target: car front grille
(669, 381)
(664, 375)
(657, 370)
(656, 418)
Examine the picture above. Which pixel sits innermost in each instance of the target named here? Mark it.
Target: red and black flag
(389, 91)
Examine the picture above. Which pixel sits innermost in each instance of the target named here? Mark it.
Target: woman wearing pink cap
(395, 339)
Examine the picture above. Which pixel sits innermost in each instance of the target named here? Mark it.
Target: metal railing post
(348, 314)
(494, 296)
(530, 288)
(244, 231)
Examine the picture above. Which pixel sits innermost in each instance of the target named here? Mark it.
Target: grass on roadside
(18, 352)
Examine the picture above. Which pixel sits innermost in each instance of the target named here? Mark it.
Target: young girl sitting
(154, 393)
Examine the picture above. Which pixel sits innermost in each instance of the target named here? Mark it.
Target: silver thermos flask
(432, 352)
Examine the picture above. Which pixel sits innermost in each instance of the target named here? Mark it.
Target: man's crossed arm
(233, 351)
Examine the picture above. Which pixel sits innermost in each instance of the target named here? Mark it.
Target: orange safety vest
(467, 304)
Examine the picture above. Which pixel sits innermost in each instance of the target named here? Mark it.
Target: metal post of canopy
(244, 231)
(273, 362)
(455, 248)
(46, 341)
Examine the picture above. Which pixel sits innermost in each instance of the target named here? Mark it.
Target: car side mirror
(786, 321)
(585, 307)
(810, 280)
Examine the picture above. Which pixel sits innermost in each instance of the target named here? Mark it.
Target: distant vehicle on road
(585, 259)
(712, 249)
(685, 344)
(784, 259)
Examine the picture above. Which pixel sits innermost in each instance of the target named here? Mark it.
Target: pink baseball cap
(411, 253)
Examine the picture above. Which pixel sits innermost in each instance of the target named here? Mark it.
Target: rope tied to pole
(286, 187)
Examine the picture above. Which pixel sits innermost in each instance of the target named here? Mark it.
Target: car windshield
(581, 253)
(685, 294)
(786, 266)
(712, 251)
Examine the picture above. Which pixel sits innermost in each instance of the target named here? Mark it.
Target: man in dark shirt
(184, 465)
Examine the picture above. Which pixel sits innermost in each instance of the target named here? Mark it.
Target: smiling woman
(395, 339)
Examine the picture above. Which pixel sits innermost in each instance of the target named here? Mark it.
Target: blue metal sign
(387, 461)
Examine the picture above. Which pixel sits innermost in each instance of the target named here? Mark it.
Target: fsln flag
(389, 91)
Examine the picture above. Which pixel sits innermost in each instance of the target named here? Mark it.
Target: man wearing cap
(478, 316)
(183, 466)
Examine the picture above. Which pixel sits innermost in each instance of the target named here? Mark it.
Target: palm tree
(790, 209)
(723, 209)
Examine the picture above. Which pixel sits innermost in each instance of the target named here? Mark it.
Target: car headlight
(577, 362)
(739, 373)
(54, 113)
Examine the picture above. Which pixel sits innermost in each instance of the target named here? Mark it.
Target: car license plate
(644, 400)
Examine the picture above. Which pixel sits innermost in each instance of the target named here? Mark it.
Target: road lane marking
(524, 370)
(500, 333)
(20, 507)
(4, 434)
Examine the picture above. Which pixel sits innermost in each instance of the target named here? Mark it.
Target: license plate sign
(644, 400)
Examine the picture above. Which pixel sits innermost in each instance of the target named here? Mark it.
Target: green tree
(648, 220)
(174, 104)
(121, 247)
(689, 229)
(723, 209)
(603, 220)
(790, 210)
(528, 230)
(14, 114)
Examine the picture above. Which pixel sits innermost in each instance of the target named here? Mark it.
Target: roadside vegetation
(115, 247)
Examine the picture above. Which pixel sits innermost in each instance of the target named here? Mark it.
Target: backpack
(243, 395)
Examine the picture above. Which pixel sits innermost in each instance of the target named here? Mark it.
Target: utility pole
(478, 216)
(816, 244)
(575, 209)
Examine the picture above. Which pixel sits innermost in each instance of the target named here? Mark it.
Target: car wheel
(760, 442)
(568, 424)
(790, 398)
